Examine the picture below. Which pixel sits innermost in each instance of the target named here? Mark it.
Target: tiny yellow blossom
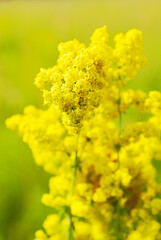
(51, 224)
(79, 208)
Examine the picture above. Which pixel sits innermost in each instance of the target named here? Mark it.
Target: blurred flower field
(29, 35)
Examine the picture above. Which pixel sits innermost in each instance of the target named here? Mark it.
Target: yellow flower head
(76, 83)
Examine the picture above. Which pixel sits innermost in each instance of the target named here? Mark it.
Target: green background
(29, 34)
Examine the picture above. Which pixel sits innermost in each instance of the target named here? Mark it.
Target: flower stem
(118, 221)
(75, 167)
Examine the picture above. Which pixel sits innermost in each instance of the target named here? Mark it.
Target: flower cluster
(103, 183)
(76, 84)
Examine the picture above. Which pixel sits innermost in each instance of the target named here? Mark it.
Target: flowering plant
(103, 183)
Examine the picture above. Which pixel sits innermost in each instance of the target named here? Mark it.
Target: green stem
(75, 167)
(120, 113)
(118, 226)
(71, 225)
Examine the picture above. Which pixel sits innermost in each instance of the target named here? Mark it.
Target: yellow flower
(156, 205)
(51, 224)
(79, 208)
(103, 183)
(82, 229)
(83, 74)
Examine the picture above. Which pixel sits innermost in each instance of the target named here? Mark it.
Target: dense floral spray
(103, 184)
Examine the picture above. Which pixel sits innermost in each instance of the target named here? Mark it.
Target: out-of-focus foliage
(29, 35)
